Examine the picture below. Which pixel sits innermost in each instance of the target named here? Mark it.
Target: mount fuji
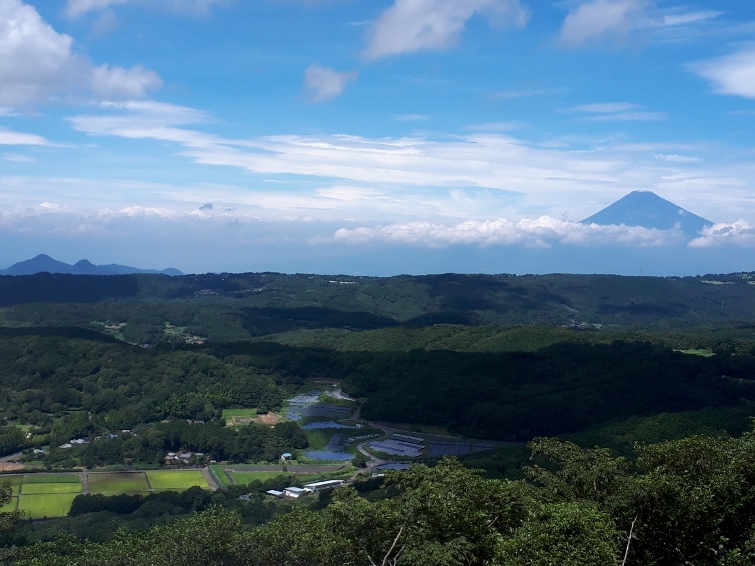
(647, 209)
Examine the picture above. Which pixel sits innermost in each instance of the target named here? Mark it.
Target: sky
(375, 137)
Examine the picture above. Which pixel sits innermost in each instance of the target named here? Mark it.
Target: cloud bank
(531, 232)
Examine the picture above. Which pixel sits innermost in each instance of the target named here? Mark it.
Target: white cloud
(535, 232)
(37, 63)
(739, 233)
(411, 117)
(604, 107)
(614, 20)
(324, 84)
(674, 158)
(690, 18)
(495, 127)
(77, 8)
(17, 158)
(616, 111)
(419, 174)
(414, 25)
(732, 74)
(599, 19)
(523, 93)
(629, 117)
(9, 137)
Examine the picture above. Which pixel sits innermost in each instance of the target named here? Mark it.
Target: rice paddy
(115, 483)
(176, 480)
(49, 495)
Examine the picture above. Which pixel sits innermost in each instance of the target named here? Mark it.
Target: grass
(15, 482)
(40, 506)
(231, 415)
(178, 480)
(50, 488)
(115, 483)
(249, 477)
(704, 352)
(221, 475)
(52, 478)
(10, 506)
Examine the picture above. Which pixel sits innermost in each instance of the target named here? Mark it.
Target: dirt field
(270, 419)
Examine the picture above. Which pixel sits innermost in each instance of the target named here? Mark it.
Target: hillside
(242, 306)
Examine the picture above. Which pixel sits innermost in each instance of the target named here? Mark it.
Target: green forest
(616, 413)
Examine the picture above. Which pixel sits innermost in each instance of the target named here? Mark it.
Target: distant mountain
(647, 209)
(44, 263)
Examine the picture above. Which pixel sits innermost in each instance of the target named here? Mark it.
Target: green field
(705, 352)
(40, 506)
(115, 483)
(179, 480)
(15, 482)
(52, 478)
(221, 475)
(51, 488)
(10, 506)
(232, 416)
(249, 477)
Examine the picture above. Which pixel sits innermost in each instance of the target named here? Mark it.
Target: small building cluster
(183, 458)
(76, 442)
(310, 488)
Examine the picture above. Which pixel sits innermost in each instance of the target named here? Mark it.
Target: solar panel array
(439, 449)
(397, 447)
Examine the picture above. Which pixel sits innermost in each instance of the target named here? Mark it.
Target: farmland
(115, 483)
(51, 495)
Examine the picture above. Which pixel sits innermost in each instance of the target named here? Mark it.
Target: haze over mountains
(680, 247)
(45, 264)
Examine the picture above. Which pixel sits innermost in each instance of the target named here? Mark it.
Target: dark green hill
(240, 306)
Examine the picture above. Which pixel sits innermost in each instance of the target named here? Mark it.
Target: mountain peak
(647, 209)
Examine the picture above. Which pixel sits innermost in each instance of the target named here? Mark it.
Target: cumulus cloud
(732, 74)
(37, 63)
(544, 231)
(324, 84)
(598, 19)
(77, 8)
(414, 25)
(740, 233)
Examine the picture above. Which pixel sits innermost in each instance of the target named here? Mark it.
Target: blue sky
(377, 137)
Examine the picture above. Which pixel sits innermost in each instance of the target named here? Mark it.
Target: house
(275, 493)
(294, 492)
(286, 456)
(322, 485)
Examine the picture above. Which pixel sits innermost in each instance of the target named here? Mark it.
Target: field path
(85, 482)
(210, 479)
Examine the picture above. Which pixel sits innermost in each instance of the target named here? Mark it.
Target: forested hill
(239, 306)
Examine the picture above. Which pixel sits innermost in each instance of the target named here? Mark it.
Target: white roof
(326, 483)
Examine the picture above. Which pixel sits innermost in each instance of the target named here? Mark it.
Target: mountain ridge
(43, 263)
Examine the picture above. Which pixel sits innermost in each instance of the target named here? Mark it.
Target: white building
(295, 492)
(321, 485)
